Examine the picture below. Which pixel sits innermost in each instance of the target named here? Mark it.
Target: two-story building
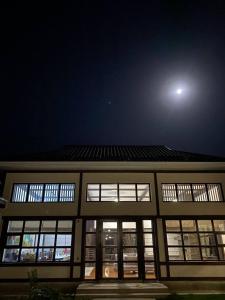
(113, 212)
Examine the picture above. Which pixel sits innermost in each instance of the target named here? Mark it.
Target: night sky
(106, 72)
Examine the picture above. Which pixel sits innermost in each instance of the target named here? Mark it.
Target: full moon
(179, 91)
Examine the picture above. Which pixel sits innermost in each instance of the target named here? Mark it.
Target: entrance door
(119, 249)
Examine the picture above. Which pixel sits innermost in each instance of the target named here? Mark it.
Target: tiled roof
(117, 153)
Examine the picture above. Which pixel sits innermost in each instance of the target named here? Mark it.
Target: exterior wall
(190, 208)
(100, 209)
(40, 209)
(118, 208)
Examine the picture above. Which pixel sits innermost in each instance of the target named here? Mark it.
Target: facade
(113, 213)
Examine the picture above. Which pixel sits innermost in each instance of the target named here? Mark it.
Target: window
(195, 240)
(185, 192)
(38, 241)
(121, 192)
(49, 192)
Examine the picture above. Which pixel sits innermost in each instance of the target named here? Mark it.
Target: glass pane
(204, 225)
(51, 193)
(13, 240)
(47, 240)
(15, 226)
(172, 225)
(147, 225)
(48, 226)
(90, 254)
(10, 255)
(28, 255)
(62, 254)
(110, 254)
(67, 192)
(30, 240)
(192, 253)
(65, 226)
(199, 192)
(148, 253)
(130, 254)
(174, 239)
(35, 193)
(90, 271)
(109, 187)
(169, 192)
(214, 191)
(175, 253)
(123, 199)
(190, 239)
(184, 192)
(128, 226)
(63, 240)
(93, 186)
(128, 193)
(222, 253)
(19, 193)
(219, 225)
(110, 226)
(91, 226)
(129, 239)
(31, 226)
(209, 253)
(91, 239)
(109, 270)
(127, 187)
(148, 239)
(221, 239)
(108, 193)
(45, 254)
(207, 239)
(109, 239)
(143, 192)
(109, 199)
(149, 270)
(93, 195)
(188, 225)
(130, 270)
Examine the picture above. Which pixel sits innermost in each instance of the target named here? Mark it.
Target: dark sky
(104, 72)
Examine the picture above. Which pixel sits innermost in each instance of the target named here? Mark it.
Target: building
(113, 212)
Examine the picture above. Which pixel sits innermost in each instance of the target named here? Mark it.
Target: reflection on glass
(110, 227)
(147, 225)
(62, 254)
(90, 239)
(45, 254)
(129, 239)
(207, 239)
(188, 225)
(15, 226)
(110, 254)
(192, 253)
(48, 226)
(148, 239)
(109, 239)
(148, 253)
(190, 239)
(184, 192)
(91, 226)
(199, 192)
(28, 255)
(130, 270)
(150, 270)
(172, 225)
(109, 270)
(10, 255)
(221, 239)
(65, 226)
(175, 253)
(30, 240)
(214, 192)
(222, 253)
(47, 240)
(90, 254)
(90, 271)
(174, 239)
(219, 225)
(63, 240)
(130, 254)
(209, 253)
(204, 225)
(31, 226)
(13, 240)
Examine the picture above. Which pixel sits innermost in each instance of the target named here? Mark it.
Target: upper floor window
(43, 192)
(30, 241)
(200, 192)
(123, 192)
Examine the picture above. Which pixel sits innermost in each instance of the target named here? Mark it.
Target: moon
(179, 91)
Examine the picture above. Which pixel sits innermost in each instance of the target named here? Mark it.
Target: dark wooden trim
(80, 195)
(156, 194)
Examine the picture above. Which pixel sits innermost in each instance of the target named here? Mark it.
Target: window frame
(192, 192)
(118, 189)
(38, 247)
(217, 246)
(43, 192)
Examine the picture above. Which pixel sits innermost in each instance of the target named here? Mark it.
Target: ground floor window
(195, 240)
(31, 241)
(119, 249)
